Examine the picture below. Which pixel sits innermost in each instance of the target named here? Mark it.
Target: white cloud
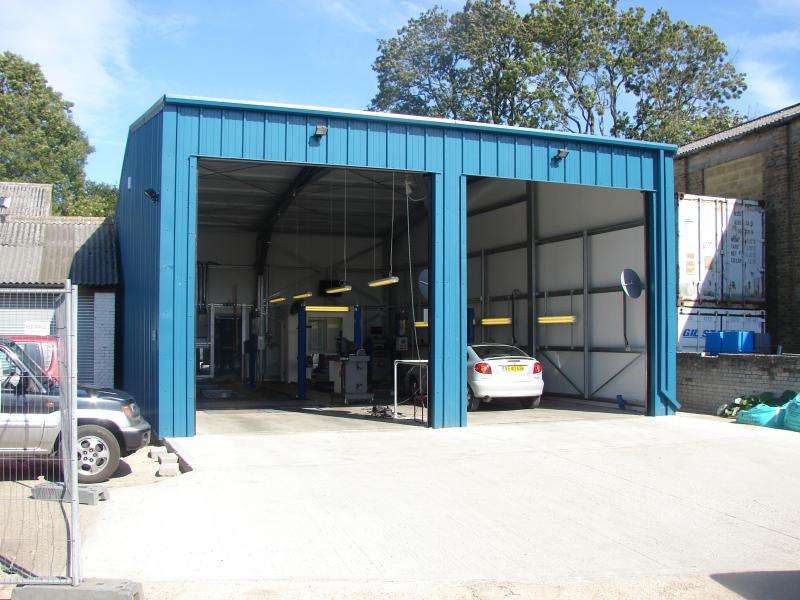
(765, 43)
(82, 47)
(785, 9)
(767, 86)
(380, 17)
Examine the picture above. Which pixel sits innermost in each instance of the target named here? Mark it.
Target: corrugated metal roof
(48, 250)
(771, 120)
(27, 199)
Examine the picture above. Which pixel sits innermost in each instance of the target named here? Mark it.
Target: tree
(578, 65)
(95, 200)
(39, 141)
(478, 64)
(420, 71)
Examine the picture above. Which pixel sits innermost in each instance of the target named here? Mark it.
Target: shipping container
(720, 252)
(695, 323)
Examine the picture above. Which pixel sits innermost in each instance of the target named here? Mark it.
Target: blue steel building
(236, 219)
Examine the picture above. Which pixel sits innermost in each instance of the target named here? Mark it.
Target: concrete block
(89, 589)
(157, 451)
(87, 493)
(168, 458)
(169, 470)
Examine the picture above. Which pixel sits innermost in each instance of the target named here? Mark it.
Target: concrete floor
(271, 415)
(604, 506)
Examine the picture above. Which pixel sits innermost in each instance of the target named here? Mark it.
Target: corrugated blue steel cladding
(448, 151)
(138, 234)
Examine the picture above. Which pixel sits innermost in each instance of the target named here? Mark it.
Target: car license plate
(514, 368)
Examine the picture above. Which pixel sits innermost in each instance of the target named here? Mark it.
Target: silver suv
(110, 424)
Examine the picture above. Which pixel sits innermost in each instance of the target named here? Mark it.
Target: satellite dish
(423, 283)
(631, 283)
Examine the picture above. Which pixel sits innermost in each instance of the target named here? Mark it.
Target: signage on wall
(37, 328)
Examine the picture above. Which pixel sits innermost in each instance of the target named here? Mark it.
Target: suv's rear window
(497, 351)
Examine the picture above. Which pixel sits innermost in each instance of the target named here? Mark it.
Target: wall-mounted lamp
(321, 130)
(152, 194)
(5, 202)
(561, 154)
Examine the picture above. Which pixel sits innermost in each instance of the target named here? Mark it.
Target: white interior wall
(564, 209)
(227, 281)
(296, 264)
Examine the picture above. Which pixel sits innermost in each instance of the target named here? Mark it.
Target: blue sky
(114, 58)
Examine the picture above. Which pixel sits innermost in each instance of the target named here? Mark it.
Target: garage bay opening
(311, 281)
(545, 269)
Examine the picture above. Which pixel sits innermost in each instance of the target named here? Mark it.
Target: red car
(42, 349)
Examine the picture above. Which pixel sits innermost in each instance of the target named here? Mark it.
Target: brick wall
(740, 178)
(706, 382)
(778, 150)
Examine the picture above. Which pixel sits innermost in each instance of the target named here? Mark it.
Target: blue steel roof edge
(395, 118)
(148, 114)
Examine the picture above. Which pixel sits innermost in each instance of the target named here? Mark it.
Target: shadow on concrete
(279, 398)
(24, 468)
(762, 585)
(551, 403)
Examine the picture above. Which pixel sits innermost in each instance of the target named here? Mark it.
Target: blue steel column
(437, 304)
(358, 335)
(301, 353)
(448, 301)
(661, 293)
(191, 302)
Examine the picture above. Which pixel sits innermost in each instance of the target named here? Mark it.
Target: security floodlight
(151, 194)
(321, 130)
(562, 154)
(5, 202)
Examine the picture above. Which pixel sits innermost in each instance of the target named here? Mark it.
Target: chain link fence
(39, 526)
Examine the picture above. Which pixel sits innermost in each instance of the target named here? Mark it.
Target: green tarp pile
(765, 410)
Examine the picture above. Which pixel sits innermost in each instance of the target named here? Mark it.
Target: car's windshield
(498, 351)
(29, 364)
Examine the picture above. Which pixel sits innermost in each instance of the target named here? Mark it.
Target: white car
(501, 371)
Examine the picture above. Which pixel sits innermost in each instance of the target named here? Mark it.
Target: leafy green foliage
(578, 65)
(39, 141)
(96, 200)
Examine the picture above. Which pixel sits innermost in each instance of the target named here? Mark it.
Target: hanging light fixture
(339, 289)
(324, 309)
(302, 295)
(390, 279)
(343, 286)
(277, 299)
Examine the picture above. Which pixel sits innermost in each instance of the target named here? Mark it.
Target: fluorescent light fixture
(344, 287)
(420, 323)
(302, 295)
(391, 279)
(556, 320)
(496, 321)
(327, 308)
(277, 299)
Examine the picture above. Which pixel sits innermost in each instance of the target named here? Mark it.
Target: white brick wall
(706, 382)
(104, 307)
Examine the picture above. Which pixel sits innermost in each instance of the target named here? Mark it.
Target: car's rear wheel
(531, 402)
(473, 402)
(98, 454)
